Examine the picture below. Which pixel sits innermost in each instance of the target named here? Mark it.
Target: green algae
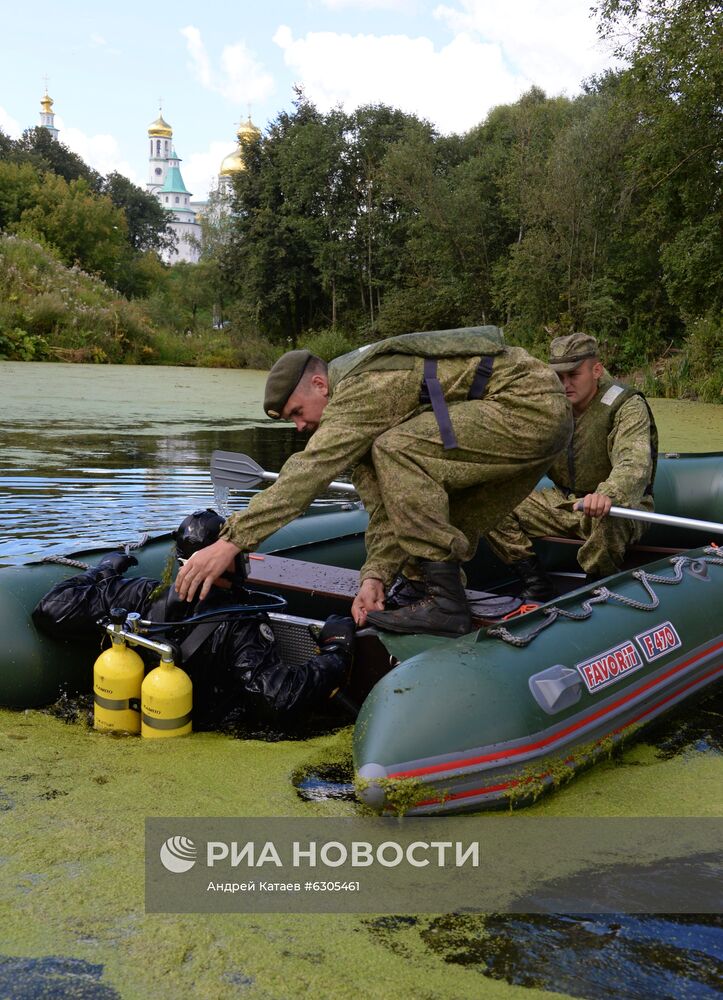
(72, 867)
(72, 861)
(686, 426)
(168, 575)
(400, 794)
(552, 772)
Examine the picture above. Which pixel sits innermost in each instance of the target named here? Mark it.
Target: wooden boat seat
(332, 582)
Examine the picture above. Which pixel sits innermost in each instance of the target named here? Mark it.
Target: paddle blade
(239, 472)
(236, 471)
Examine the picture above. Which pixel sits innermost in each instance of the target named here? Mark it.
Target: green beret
(566, 353)
(283, 379)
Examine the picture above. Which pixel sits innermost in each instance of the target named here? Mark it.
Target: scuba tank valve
(117, 678)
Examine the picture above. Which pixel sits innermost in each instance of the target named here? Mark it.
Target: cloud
(8, 124)
(552, 42)
(97, 41)
(454, 86)
(101, 152)
(240, 78)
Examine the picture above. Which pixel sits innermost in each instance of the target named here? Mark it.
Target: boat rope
(65, 561)
(129, 546)
(77, 564)
(695, 567)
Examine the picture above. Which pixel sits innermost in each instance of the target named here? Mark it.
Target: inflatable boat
(526, 701)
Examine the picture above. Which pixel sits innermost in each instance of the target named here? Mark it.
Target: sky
(110, 66)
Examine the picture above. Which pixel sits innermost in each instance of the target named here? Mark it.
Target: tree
(147, 220)
(19, 186)
(37, 146)
(672, 90)
(86, 229)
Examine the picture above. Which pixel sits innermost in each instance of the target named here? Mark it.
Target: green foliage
(38, 148)
(328, 344)
(49, 311)
(19, 345)
(85, 229)
(696, 371)
(253, 351)
(49, 193)
(19, 186)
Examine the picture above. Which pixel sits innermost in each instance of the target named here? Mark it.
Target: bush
(18, 345)
(327, 344)
(696, 370)
(63, 312)
(253, 351)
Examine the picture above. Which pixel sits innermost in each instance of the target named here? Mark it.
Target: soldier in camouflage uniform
(433, 466)
(610, 460)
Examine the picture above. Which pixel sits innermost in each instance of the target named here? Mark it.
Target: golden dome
(47, 104)
(234, 162)
(247, 131)
(160, 128)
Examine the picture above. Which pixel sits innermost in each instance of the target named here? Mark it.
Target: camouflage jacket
(363, 406)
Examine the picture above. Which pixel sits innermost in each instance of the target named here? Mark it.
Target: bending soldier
(234, 663)
(444, 432)
(610, 460)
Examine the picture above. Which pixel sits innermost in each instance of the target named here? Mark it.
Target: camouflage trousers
(548, 512)
(429, 503)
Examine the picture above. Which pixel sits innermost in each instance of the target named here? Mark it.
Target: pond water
(97, 454)
(93, 455)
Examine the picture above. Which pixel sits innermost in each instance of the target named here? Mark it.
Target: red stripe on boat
(489, 789)
(516, 751)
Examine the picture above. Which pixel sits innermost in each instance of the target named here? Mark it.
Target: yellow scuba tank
(166, 700)
(117, 680)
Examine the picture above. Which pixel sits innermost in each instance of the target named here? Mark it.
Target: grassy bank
(50, 312)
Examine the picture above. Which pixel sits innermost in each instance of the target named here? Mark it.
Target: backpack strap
(439, 404)
(431, 392)
(481, 377)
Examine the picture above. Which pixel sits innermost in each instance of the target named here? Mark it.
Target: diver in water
(234, 663)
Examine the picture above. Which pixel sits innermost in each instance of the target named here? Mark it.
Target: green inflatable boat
(525, 701)
(35, 669)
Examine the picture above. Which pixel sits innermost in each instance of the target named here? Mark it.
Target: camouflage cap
(282, 380)
(567, 352)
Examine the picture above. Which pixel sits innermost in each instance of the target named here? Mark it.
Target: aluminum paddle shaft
(241, 472)
(671, 520)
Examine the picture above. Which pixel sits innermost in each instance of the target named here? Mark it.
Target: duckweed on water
(72, 861)
(553, 772)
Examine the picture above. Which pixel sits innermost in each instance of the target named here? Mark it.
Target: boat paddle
(671, 520)
(241, 472)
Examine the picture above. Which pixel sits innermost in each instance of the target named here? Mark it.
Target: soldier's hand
(594, 505)
(369, 598)
(204, 568)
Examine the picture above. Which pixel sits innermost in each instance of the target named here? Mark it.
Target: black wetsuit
(233, 664)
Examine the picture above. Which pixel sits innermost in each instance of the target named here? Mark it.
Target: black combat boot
(443, 611)
(537, 584)
(403, 591)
